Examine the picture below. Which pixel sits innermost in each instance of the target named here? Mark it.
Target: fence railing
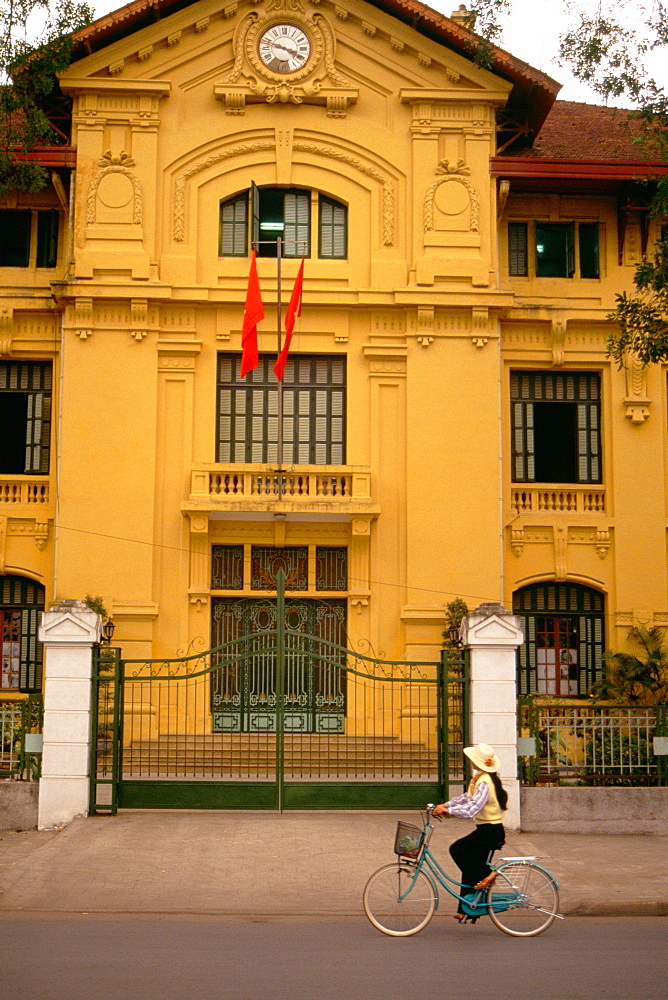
(20, 738)
(592, 744)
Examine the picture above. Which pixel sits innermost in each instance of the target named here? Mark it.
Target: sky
(532, 34)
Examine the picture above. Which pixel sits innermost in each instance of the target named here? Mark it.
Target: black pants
(471, 853)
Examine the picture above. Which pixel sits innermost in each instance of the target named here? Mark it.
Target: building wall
(167, 124)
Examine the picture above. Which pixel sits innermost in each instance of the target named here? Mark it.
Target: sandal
(484, 882)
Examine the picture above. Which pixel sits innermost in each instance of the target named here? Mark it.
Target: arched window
(21, 607)
(563, 638)
(259, 216)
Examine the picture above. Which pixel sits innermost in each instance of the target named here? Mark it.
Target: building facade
(451, 424)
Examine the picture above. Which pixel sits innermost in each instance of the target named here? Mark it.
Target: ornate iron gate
(306, 723)
(243, 682)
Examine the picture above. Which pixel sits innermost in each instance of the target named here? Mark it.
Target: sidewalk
(316, 863)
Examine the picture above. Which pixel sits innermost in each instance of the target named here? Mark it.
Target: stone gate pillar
(68, 632)
(493, 634)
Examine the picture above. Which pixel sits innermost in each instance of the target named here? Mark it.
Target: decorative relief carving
(558, 338)
(637, 399)
(560, 553)
(299, 146)
(83, 317)
(6, 329)
(115, 191)
(41, 534)
(602, 542)
(369, 29)
(517, 540)
(196, 168)
(139, 318)
(452, 195)
(317, 82)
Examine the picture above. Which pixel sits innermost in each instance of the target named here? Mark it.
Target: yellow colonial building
(451, 425)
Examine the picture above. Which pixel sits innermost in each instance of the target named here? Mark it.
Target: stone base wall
(594, 810)
(18, 805)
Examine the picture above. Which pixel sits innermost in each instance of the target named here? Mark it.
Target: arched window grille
(564, 637)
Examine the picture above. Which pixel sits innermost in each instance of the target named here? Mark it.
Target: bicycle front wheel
(399, 901)
(523, 900)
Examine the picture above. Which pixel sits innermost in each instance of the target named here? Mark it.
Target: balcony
(558, 499)
(32, 492)
(305, 489)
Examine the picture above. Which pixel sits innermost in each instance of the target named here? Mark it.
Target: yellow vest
(491, 812)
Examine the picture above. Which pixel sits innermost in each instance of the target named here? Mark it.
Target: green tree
(35, 44)
(637, 680)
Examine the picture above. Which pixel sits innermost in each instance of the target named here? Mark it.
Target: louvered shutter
(333, 229)
(296, 213)
(233, 227)
(517, 249)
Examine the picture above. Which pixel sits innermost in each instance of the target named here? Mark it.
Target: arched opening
(564, 637)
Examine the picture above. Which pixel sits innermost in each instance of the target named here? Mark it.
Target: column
(493, 634)
(68, 632)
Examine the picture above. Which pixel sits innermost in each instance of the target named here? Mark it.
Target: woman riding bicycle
(485, 802)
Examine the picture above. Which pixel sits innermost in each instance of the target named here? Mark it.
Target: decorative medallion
(285, 55)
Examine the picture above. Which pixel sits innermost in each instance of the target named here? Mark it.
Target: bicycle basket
(408, 840)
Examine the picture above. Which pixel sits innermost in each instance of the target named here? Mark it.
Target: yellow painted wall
(423, 309)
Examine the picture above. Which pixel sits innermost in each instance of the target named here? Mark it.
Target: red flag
(253, 313)
(294, 310)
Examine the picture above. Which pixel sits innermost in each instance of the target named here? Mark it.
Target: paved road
(94, 957)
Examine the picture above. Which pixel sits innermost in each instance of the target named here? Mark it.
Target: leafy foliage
(637, 680)
(455, 612)
(96, 604)
(35, 44)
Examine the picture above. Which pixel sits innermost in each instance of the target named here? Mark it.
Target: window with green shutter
(564, 638)
(21, 607)
(25, 417)
(234, 226)
(553, 249)
(333, 237)
(517, 249)
(260, 216)
(314, 410)
(556, 432)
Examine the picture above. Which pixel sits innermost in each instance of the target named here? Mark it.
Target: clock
(284, 48)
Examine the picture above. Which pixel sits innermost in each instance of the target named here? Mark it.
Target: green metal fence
(20, 738)
(324, 726)
(593, 744)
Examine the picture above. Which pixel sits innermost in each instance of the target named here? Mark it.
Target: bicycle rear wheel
(523, 900)
(398, 901)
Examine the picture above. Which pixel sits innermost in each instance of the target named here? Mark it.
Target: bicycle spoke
(399, 900)
(524, 899)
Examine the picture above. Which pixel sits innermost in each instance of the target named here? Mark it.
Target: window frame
(33, 379)
(557, 600)
(528, 387)
(253, 412)
(310, 215)
(26, 596)
(39, 235)
(523, 259)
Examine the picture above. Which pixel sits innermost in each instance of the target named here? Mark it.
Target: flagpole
(279, 321)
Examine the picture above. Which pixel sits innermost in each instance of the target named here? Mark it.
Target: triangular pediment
(348, 46)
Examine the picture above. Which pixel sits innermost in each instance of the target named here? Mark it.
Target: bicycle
(401, 897)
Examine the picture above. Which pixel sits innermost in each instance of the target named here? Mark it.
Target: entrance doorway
(243, 686)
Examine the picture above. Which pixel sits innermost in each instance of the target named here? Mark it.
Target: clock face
(284, 48)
